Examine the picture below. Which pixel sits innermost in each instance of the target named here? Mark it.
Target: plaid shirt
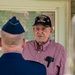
(48, 52)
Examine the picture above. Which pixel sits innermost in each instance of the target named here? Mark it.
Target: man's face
(42, 33)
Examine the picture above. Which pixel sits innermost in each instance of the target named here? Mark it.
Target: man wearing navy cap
(44, 50)
(12, 62)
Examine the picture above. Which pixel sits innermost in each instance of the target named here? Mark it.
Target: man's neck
(41, 43)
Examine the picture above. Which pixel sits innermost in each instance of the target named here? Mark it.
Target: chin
(40, 41)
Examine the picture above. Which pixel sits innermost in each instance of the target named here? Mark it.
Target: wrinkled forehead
(40, 26)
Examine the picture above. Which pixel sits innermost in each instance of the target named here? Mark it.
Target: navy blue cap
(44, 20)
(13, 26)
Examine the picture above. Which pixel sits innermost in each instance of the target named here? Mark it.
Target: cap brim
(41, 24)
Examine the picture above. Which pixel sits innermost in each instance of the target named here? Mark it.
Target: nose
(40, 31)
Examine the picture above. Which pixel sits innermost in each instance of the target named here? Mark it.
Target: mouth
(40, 36)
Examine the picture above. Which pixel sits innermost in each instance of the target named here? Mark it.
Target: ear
(0, 42)
(51, 29)
(24, 43)
(33, 28)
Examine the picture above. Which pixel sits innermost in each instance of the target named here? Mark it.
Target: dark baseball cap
(13, 26)
(44, 20)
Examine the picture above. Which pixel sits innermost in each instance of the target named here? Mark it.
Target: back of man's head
(11, 39)
(12, 33)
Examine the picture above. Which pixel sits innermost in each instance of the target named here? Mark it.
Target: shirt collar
(40, 48)
(11, 55)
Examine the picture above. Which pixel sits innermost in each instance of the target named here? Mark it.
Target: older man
(12, 62)
(44, 50)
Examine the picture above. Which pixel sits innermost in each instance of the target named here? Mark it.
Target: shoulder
(36, 66)
(35, 63)
(56, 44)
(58, 47)
(31, 42)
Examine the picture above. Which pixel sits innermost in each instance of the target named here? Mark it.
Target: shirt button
(38, 51)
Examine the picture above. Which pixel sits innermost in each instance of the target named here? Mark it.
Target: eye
(43, 29)
(37, 29)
